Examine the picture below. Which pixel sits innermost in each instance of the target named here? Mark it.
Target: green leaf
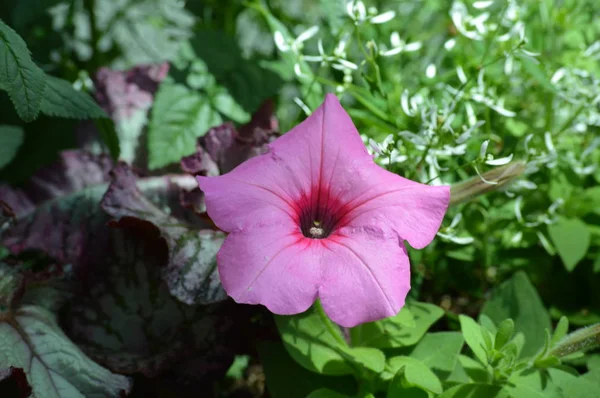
(562, 328)
(308, 340)
(179, 116)
(439, 350)
(325, 393)
(517, 299)
(571, 237)
(416, 373)
(246, 81)
(19, 75)
(504, 333)
(472, 333)
(472, 391)
(62, 100)
(574, 386)
(11, 138)
(404, 329)
(400, 388)
(224, 103)
(534, 70)
(55, 367)
(287, 379)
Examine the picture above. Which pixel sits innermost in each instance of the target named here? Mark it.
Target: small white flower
(383, 18)
(280, 42)
(302, 106)
(548, 142)
(558, 75)
(482, 4)
(430, 71)
(461, 74)
(483, 149)
(414, 138)
(449, 44)
(307, 34)
(500, 161)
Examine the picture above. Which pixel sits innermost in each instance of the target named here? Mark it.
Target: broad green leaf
(55, 367)
(308, 340)
(574, 386)
(416, 373)
(588, 202)
(19, 75)
(439, 350)
(400, 388)
(472, 333)
(11, 138)
(404, 329)
(326, 393)
(571, 237)
(62, 100)
(475, 370)
(287, 379)
(517, 299)
(531, 384)
(224, 103)
(472, 391)
(179, 116)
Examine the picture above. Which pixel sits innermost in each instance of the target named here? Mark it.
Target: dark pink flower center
(319, 214)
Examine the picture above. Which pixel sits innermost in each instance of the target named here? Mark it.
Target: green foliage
(571, 237)
(179, 116)
(19, 75)
(11, 138)
(517, 299)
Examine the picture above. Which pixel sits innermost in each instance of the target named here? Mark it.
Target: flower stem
(580, 340)
(331, 327)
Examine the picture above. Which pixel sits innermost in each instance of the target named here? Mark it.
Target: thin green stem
(329, 324)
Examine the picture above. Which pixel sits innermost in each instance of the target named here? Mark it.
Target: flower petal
(275, 266)
(304, 160)
(366, 276)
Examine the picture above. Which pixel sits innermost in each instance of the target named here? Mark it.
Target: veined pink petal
(379, 198)
(273, 265)
(366, 275)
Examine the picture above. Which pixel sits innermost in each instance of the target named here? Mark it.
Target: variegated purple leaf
(191, 273)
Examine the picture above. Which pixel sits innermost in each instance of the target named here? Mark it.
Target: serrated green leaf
(11, 138)
(62, 100)
(439, 350)
(416, 373)
(224, 103)
(571, 237)
(19, 75)
(404, 329)
(179, 116)
(517, 299)
(472, 333)
(55, 367)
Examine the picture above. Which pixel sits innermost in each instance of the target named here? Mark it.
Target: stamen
(316, 232)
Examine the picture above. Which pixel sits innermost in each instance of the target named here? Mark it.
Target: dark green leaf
(19, 75)
(326, 393)
(571, 237)
(108, 133)
(439, 350)
(517, 299)
(416, 373)
(11, 138)
(472, 391)
(62, 100)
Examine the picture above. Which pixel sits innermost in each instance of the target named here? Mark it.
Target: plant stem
(331, 327)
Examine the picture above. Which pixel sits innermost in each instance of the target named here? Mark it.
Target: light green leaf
(571, 237)
(179, 116)
(574, 386)
(62, 100)
(224, 103)
(400, 388)
(19, 75)
(439, 350)
(371, 358)
(504, 333)
(562, 328)
(517, 299)
(54, 366)
(471, 391)
(416, 373)
(308, 340)
(404, 329)
(473, 337)
(11, 138)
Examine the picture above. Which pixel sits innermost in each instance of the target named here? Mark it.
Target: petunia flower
(315, 218)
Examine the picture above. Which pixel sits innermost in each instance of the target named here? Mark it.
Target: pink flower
(315, 217)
